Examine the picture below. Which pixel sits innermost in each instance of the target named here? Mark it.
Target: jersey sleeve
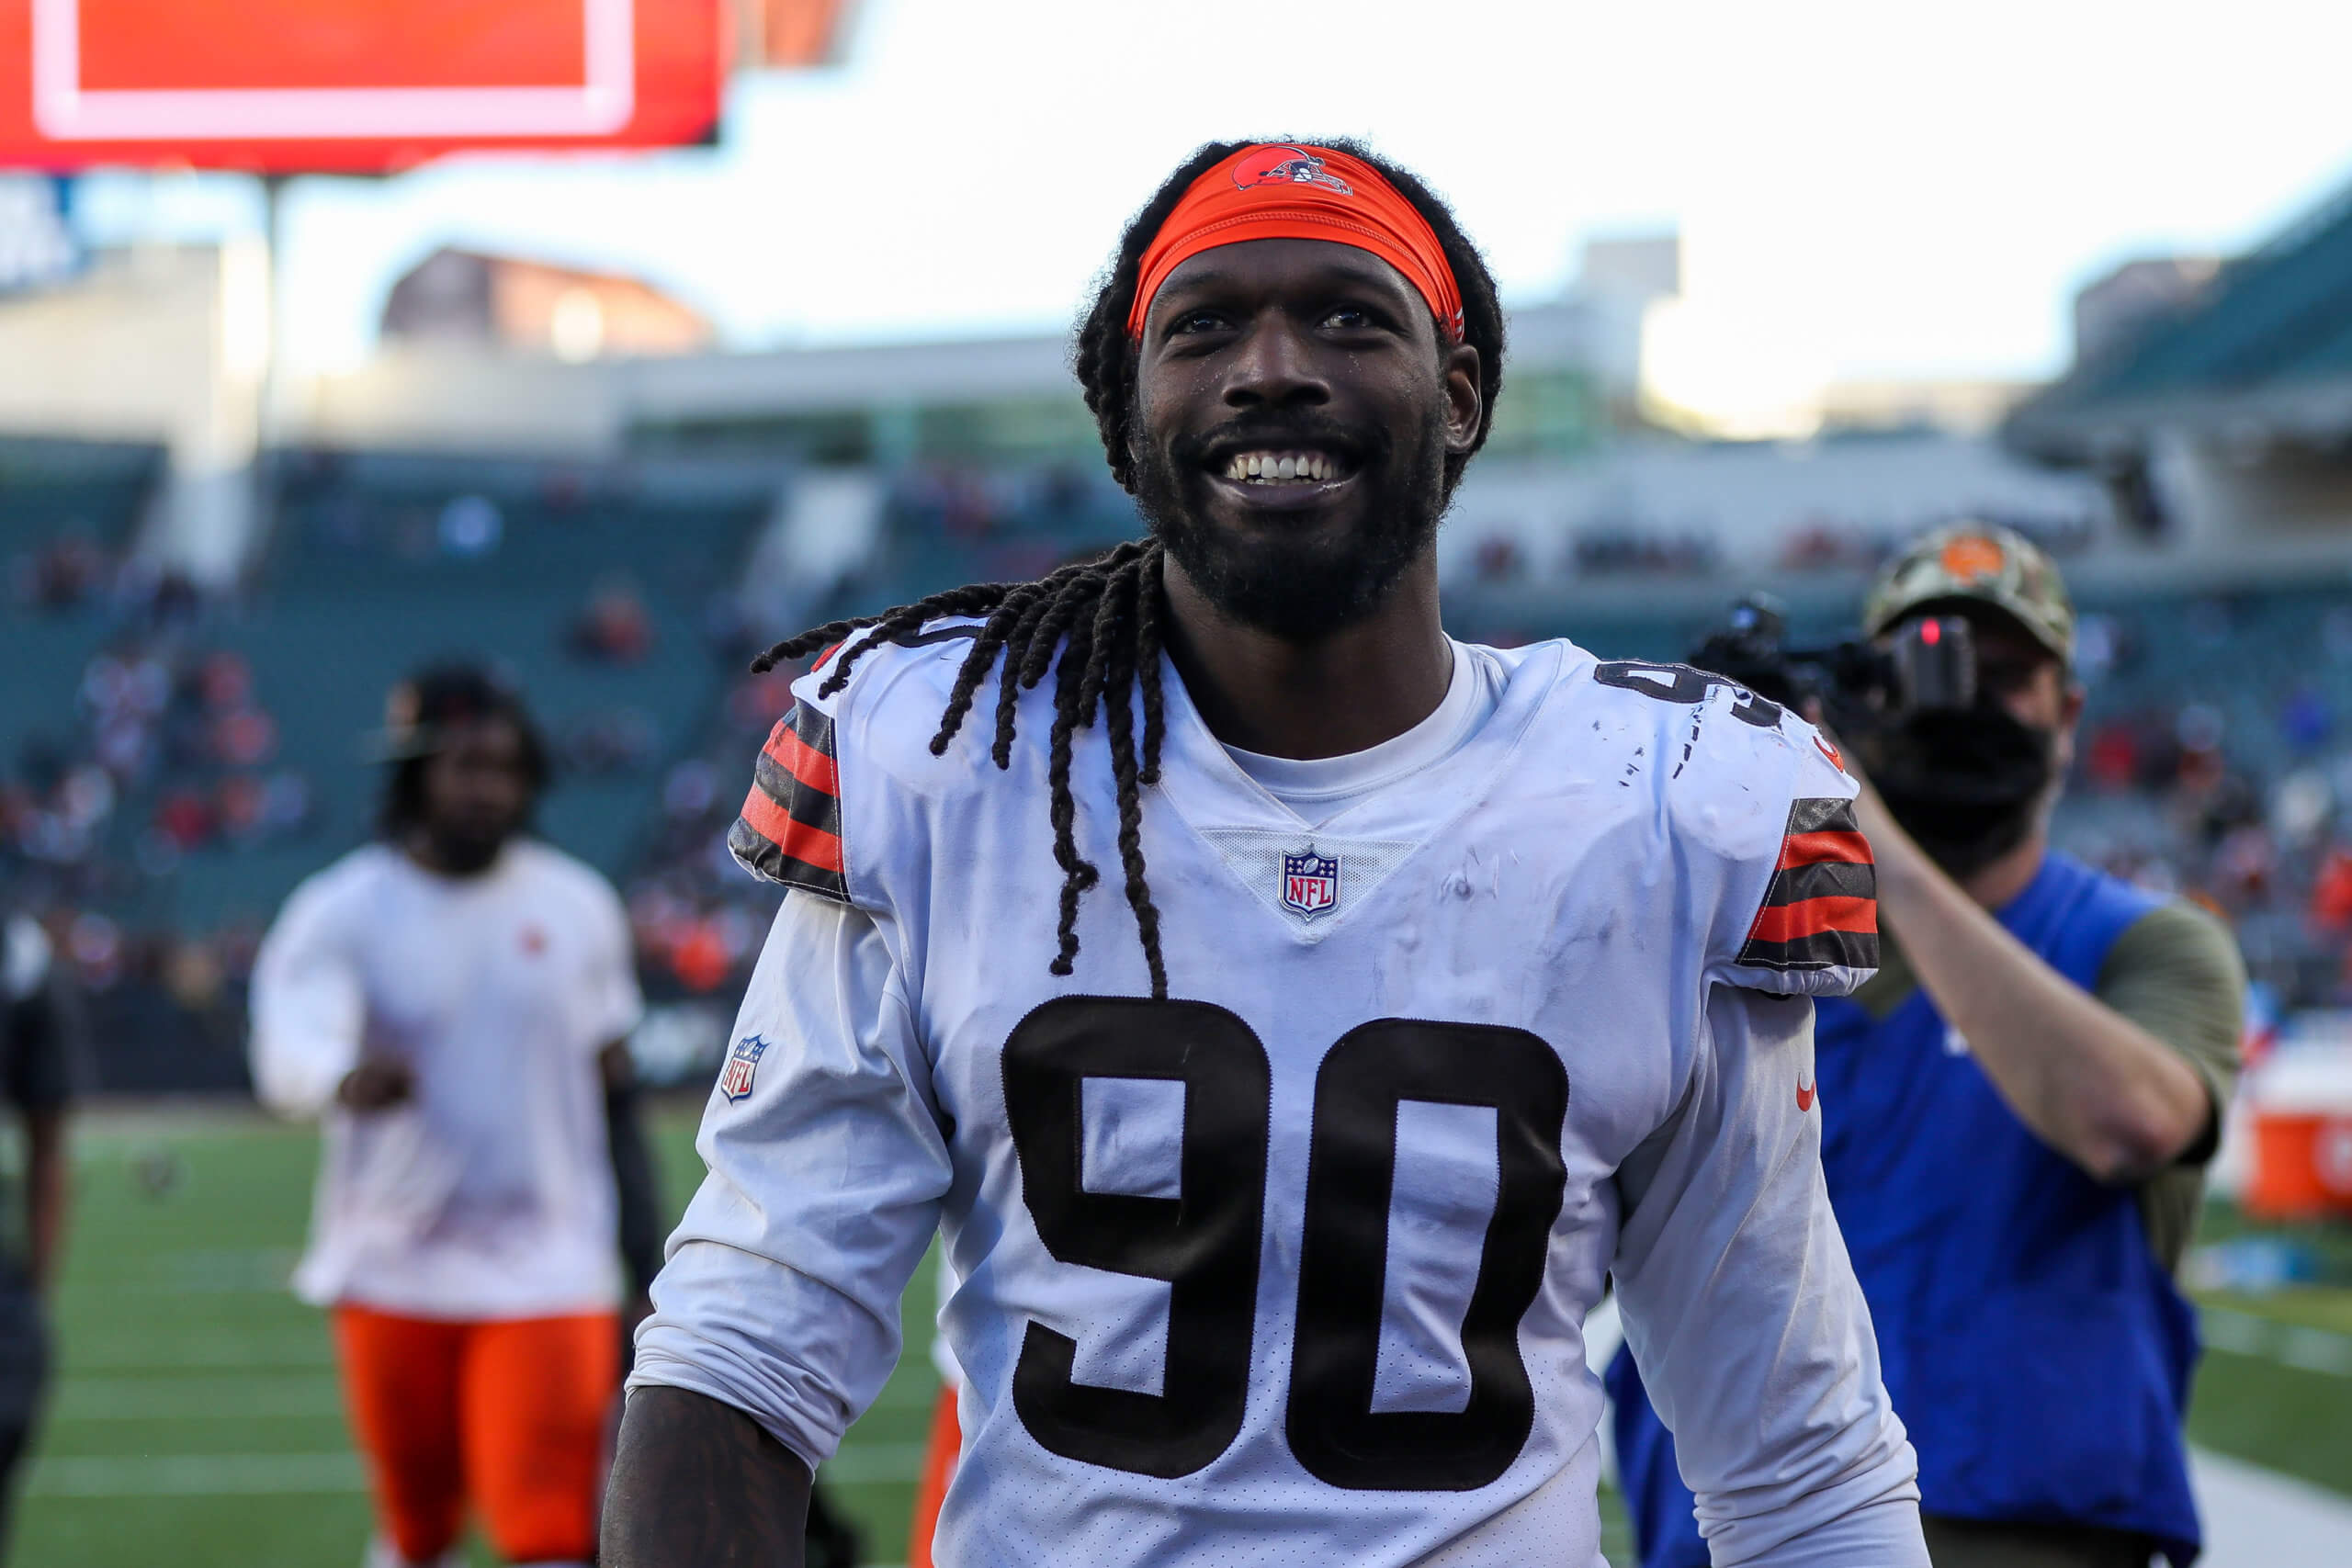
(1744, 1316)
(1805, 917)
(310, 1006)
(828, 1159)
(790, 829)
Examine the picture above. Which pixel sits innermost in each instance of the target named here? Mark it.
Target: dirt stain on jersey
(1698, 716)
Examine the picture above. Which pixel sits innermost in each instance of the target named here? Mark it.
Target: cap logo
(1286, 167)
(1973, 558)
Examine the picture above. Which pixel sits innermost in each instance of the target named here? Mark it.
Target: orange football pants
(939, 1459)
(510, 1415)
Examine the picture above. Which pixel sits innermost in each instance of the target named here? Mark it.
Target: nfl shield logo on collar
(735, 1083)
(1311, 882)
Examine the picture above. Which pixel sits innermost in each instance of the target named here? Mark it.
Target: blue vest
(2034, 1346)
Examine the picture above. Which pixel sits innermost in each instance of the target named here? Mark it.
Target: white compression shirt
(489, 1194)
(1320, 788)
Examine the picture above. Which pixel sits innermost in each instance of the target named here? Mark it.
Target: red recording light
(1931, 632)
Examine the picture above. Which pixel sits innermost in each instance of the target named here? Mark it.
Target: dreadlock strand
(899, 623)
(1118, 728)
(1007, 689)
(1078, 873)
(1108, 606)
(1060, 620)
(974, 669)
(1147, 606)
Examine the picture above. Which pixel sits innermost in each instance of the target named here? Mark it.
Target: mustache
(1365, 444)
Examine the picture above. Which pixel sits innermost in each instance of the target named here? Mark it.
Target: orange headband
(1274, 191)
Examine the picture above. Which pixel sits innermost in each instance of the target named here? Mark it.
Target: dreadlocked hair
(1103, 617)
(1104, 357)
(1096, 624)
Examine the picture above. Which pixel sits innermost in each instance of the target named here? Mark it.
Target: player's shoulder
(888, 707)
(1726, 762)
(859, 729)
(339, 895)
(540, 864)
(350, 878)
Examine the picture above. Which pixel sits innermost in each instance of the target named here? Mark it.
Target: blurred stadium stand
(185, 757)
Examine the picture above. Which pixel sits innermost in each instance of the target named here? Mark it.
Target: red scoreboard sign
(355, 86)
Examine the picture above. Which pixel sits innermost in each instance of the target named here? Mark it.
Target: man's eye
(1349, 318)
(1196, 321)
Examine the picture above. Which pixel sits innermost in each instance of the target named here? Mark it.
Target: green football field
(195, 1420)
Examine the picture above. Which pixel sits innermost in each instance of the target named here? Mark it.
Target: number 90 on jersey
(1205, 1242)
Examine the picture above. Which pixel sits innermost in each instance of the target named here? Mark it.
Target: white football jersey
(1293, 1265)
(488, 1194)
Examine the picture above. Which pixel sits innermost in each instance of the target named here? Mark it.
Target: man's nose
(1274, 367)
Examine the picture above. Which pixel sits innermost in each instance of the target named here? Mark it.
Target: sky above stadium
(1864, 189)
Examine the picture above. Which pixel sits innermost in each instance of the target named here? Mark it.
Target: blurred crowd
(2215, 758)
(2240, 797)
(167, 748)
(1616, 546)
(699, 918)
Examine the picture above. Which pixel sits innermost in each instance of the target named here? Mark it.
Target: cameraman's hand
(376, 1085)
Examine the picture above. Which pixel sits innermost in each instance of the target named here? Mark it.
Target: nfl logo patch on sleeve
(735, 1083)
(1311, 882)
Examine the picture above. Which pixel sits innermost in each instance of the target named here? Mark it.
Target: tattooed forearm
(699, 1485)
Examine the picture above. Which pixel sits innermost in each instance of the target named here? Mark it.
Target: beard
(1968, 786)
(1287, 582)
(467, 849)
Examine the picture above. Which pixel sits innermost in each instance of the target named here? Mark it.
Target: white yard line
(195, 1475)
(205, 1349)
(2294, 1344)
(257, 1475)
(173, 1399)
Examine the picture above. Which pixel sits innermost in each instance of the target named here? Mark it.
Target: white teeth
(1270, 468)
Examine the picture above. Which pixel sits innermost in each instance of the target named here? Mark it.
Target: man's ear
(1466, 405)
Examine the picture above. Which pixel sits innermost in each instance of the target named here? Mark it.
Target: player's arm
(310, 1017)
(44, 1071)
(698, 1483)
(1740, 1304)
(2096, 1086)
(1744, 1316)
(615, 1009)
(776, 1317)
(46, 1197)
(639, 1195)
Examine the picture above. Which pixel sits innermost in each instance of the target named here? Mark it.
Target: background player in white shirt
(1451, 982)
(452, 1002)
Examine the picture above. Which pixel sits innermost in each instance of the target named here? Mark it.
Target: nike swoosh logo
(1805, 1097)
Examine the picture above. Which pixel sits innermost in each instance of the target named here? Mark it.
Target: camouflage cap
(1982, 561)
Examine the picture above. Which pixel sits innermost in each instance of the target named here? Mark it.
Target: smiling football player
(1441, 983)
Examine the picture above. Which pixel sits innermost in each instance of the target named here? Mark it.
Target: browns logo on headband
(1284, 191)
